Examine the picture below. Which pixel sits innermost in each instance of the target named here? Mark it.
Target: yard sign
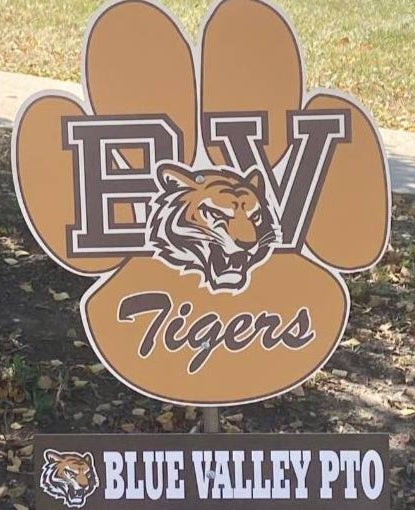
(218, 201)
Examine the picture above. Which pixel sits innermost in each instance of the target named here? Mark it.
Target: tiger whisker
(208, 232)
(208, 239)
(268, 235)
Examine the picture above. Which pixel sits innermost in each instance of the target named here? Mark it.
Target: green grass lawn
(365, 47)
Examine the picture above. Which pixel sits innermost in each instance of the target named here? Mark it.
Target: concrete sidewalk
(16, 88)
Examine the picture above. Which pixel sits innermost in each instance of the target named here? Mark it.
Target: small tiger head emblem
(215, 222)
(70, 477)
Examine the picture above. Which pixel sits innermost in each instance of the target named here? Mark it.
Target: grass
(361, 46)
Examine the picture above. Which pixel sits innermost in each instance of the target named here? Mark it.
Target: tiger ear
(173, 177)
(53, 456)
(256, 180)
(88, 458)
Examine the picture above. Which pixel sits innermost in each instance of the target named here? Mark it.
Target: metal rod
(211, 420)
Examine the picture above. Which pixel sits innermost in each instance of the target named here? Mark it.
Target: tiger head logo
(216, 223)
(69, 476)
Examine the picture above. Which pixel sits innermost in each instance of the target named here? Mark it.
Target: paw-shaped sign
(218, 202)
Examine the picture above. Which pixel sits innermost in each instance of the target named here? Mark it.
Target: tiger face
(71, 477)
(215, 222)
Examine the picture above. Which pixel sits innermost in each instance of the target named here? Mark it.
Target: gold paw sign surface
(217, 201)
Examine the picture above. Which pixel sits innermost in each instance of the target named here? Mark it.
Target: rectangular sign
(208, 472)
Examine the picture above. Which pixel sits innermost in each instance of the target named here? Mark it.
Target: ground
(51, 381)
(364, 47)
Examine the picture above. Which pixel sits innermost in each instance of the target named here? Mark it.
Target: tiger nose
(83, 481)
(245, 245)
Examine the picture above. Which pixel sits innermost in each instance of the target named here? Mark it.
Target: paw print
(217, 201)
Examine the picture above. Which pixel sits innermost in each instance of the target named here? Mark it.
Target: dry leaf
(231, 428)
(128, 427)
(236, 418)
(71, 333)
(45, 382)
(339, 373)
(26, 451)
(18, 506)
(97, 368)
(98, 419)
(138, 412)
(298, 392)
(55, 363)
(352, 342)
(15, 463)
(21, 253)
(78, 384)
(59, 296)
(166, 421)
(407, 411)
(29, 415)
(190, 414)
(27, 287)
(78, 344)
(11, 262)
(16, 426)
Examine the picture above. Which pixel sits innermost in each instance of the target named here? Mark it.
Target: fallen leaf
(128, 427)
(79, 384)
(138, 412)
(26, 451)
(103, 407)
(98, 419)
(339, 373)
(298, 392)
(236, 418)
(18, 506)
(29, 415)
(59, 296)
(15, 463)
(351, 342)
(191, 413)
(55, 363)
(71, 333)
(78, 344)
(407, 412)
(405, 272)
(11, 262)
(97, 368)
(45, 382)
(27, 287)
(21, 253)
(166, 421)
(16, 491)
(16, 426)
(230, 428)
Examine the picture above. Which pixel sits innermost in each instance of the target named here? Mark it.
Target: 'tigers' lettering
(208, 332)
(242, 475)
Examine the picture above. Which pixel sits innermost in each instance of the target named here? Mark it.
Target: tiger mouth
(76, 495)
(228, 270)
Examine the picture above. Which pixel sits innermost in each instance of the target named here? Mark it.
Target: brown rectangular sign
(209, 472)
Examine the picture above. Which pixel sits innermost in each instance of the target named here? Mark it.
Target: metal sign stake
(211, 420)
